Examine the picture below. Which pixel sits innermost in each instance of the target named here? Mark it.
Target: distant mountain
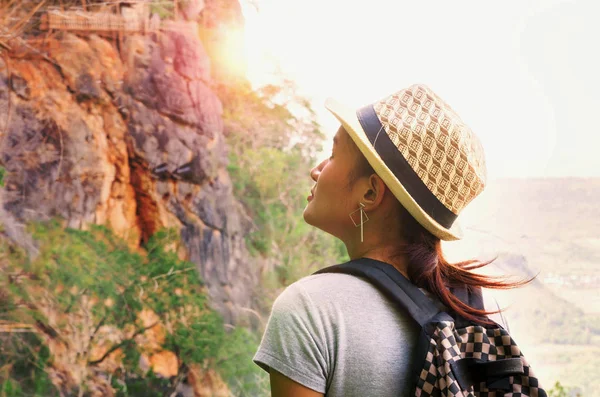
(554, 208)
(513, 263)
(554, 223)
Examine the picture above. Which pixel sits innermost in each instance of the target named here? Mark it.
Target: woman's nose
(316, 171)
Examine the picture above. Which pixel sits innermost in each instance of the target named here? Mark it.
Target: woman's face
(331, 198)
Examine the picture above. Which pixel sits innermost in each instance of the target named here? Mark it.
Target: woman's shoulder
(317, 297)
(328, 283)
(326, 291)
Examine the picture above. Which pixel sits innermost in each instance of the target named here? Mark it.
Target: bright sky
(525, 75)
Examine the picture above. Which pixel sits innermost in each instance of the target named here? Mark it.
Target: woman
(400, 172)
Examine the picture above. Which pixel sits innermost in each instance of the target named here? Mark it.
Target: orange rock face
(165, 364)
(131, 139)
(153, 338)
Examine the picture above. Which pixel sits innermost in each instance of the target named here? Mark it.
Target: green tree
(274, 140)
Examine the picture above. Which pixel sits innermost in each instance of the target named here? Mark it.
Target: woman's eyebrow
(335, 140)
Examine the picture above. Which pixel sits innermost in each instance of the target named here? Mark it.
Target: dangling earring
(363, 219)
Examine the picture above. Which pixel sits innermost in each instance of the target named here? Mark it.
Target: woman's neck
(384, 252)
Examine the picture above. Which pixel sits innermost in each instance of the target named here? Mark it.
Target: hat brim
(350, 122)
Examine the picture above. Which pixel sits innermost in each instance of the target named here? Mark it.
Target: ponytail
(429, 269)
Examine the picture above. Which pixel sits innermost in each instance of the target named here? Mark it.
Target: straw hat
(429, 159)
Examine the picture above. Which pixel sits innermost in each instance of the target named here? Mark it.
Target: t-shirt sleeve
(293, 343)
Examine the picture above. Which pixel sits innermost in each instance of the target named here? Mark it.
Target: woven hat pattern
(443, 151)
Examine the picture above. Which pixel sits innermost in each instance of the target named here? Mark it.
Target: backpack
(459, 358)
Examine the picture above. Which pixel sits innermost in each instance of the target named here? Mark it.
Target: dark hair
(429, 269)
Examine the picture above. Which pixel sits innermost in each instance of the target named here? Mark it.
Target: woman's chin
(315, 220)
(307, 215)
(311, 218)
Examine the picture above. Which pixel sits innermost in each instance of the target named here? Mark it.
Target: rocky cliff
(128, 134)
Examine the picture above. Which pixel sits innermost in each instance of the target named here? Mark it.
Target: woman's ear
(373, 195)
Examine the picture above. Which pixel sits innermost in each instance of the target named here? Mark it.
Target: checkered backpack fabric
(460, 358)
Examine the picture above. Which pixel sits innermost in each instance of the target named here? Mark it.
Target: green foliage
(560, 391)
(84, 280)
(27, 357)
(234, 362)
(274, 141)
(10, 388)
(164, 9)
(557, 391)
(148, 386)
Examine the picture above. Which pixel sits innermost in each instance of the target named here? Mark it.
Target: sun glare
(259, 47)
(510, 77)
(231, 52)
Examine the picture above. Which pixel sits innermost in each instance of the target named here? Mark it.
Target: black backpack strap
(391, 283)
(471, 296)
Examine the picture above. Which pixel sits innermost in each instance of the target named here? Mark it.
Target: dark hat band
(396, 162)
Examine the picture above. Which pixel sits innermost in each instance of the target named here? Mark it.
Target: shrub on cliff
(90, 315)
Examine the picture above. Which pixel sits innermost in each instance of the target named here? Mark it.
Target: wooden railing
(98, 22)
(105, 22)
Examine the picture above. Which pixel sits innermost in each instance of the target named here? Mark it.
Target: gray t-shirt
(338, 335)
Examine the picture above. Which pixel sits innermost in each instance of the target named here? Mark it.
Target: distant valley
(549, 228)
